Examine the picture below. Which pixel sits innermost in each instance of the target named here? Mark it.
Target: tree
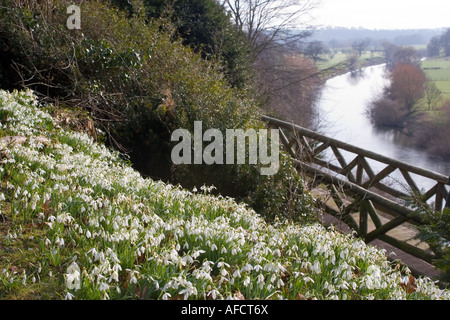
(353, 61)
(432, 93)
(205, 26)
(288, 86)
(360, 46)
(407, 86)
(314, 49)
(271, 22)
(445, 42)
(400, 55)
(434, 47)
(398, 104)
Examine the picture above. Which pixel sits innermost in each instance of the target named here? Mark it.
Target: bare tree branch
(271, 22)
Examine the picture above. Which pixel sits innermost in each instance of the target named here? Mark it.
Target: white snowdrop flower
(247, 281)
(280, 283)
(114, 276)
(68, 296)
(187, 259)
(133, 279)
(308, 279)
(269, 267)
(72, 276)
(316, 267)
(247, 268)
(273, 278)
(88, 234)
(166, 296)
(260, 278)
(344, 254)
(333, 260)
(277, 253)
(103, 286)
(222, 263)
(59, 241)
(213, 293)
(236, 273)
(374, 271)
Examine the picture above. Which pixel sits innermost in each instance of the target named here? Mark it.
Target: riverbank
(343, 67)
(341, 112)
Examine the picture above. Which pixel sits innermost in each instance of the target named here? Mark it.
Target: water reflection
(355, 77)
(342, 115)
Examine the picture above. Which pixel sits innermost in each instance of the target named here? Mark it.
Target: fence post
(447, 201)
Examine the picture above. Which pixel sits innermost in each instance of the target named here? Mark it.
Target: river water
(341, 115)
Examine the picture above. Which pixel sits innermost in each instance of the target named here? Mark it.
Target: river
(341, 115)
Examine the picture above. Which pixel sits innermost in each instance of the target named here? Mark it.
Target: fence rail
(357, 187)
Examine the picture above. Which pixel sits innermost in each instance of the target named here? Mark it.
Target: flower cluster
(118, 235)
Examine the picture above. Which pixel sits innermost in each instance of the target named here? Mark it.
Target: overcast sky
(384, 14)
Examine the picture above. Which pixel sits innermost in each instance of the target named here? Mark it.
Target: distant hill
(342, 36)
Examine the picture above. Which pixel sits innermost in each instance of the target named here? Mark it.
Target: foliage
(205, 26)
(80, 223)
(396, 55)
(439, 45)
(436, 232)
(433, 132)
(407, 85)
(399, 102)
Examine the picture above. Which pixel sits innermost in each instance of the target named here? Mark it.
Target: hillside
(77, 222)
(398, 37)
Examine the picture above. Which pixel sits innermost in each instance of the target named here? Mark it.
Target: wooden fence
(355, 186)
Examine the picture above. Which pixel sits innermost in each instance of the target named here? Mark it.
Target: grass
(438, 70)
(338, 63)
(79, 223)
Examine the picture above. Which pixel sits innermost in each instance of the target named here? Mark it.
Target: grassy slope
(79, 223)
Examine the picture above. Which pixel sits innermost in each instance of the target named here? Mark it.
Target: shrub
(432, 133)
(386, 112)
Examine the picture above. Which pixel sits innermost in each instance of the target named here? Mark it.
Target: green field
(340, 57)
(438, 70)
